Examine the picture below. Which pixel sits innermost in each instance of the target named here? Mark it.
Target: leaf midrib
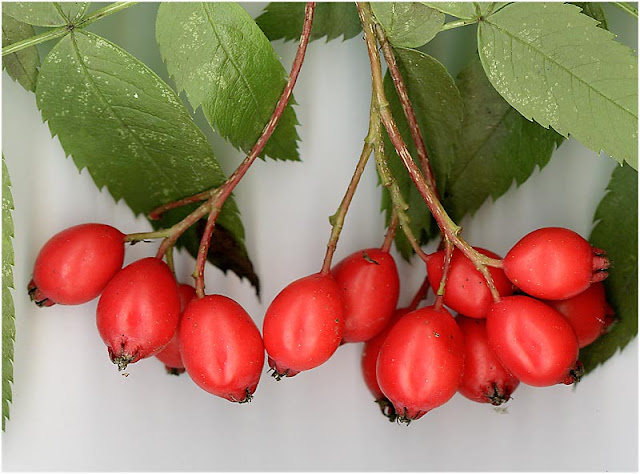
(274, 136)
(90, 79)
(555, 63)
(232, 61)
(475, 155)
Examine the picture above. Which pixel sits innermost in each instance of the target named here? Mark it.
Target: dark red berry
(485, 379)
(75, 265)
(588, 313)
(368, 361)
(170, 355)
(370, 288)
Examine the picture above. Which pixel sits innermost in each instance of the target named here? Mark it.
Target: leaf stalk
(60, 31)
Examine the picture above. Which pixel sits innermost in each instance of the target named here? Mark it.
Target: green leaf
(497, 145)
(408, 24)
(8, 310)
(616, 232)
(283, 20)
(46, 13)
(23, 65)
(439, 111)
(553, 64)
(216, 53)
(595, 11)
(117, 118)
(464, 10)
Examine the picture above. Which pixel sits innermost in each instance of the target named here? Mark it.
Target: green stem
(627, 8)
(457, 24)
(64, 30)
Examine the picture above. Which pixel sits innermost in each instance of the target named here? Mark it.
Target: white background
(73, 411)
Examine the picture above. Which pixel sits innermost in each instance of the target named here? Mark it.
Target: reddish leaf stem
(446, 267)
(407, 107)
(219, 196)
(156, 213)
(389, 182)
(449, 229)
(216, 197)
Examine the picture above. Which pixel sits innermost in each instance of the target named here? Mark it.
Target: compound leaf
(21, 66)
(217, 54)
(46, 13)
(439, 111)
(8, 309)
(616, 232)
(497, 145)
(283, 20)
(408, 24)
(554, 65)
(118, 119)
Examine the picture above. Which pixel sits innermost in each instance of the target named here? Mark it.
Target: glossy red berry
(170, 355)
(421, 362)
(138, 311)
(221, 347)
(75, 265)
(588, 313)
(466, 290)
(368, 361)
(303, 326)
(485, 379)
(370, 288)
(554, 263)
(532, 340)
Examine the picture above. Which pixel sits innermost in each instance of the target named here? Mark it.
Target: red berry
(421, 362)
(75, 265)
(370, 288)
(588, 313)
(221, 347)
(303, 326)
(138, 311)
(466, 290)
(554, 263)
(485, 379)
(170, 355)
(369, 359)
(533, 341)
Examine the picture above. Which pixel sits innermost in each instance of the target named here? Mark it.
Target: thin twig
(220, 195)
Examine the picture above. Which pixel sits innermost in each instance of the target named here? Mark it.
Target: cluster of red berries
(143, 311)
(416, 360)
(412, 360)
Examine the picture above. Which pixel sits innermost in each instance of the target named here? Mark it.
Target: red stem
(446, 267)
(219, 196)
(407, 108)
(156, 213)
(391, 231)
